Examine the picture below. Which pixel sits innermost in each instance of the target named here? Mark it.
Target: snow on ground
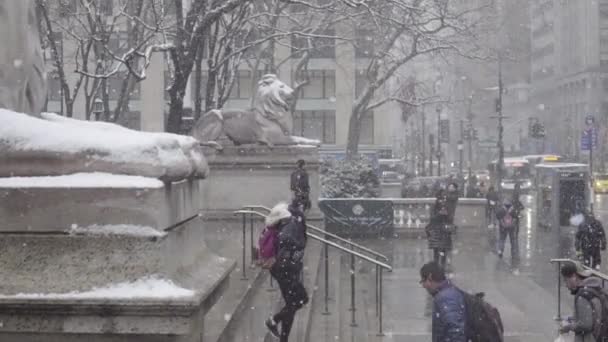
(152, 287)
(117, 229)
(82, 180)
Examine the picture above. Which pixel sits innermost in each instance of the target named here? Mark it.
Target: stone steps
(258, 301)
(326, 327)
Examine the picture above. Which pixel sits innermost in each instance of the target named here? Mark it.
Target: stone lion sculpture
(268, 123)
(43, 144)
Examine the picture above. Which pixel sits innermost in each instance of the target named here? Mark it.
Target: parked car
(422, 187)
(391, 177)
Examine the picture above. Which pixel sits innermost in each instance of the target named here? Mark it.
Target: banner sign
(589, 139)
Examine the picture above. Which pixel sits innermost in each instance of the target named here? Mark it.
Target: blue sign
(589, 139)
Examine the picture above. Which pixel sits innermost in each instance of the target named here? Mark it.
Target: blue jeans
(503, 233)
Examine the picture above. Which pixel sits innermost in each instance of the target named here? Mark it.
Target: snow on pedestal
(56, 145)
(81, 180)
(148, 287)
(117, 229)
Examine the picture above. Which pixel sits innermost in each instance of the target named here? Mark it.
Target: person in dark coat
(491, 204)
(296, 208)
(300, 185)
(518, 207)
(590, 240)
(449, 318)
(588, 308)
(438, 230)
(452, 201)
(507, 228)
(286, 269)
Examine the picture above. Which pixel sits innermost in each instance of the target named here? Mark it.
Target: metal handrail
(334, 236)
(380, 266)
(335, 245)
(559, 262)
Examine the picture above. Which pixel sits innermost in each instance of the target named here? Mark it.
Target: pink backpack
(267, 243)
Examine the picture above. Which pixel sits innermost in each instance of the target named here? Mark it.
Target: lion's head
(273, 99)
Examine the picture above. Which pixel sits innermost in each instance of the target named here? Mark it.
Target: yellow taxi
(600, 183)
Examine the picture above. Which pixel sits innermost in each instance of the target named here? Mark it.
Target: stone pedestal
(257, 175)
(59, 243)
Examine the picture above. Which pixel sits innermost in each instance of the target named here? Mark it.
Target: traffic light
(444, 131)
(466, 134)
(475, 134)
(538, 130)
(531, 124)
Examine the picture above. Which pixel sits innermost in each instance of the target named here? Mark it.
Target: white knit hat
(277, 213)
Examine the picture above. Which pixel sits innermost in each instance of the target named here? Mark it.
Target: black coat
(451, 203)
(439, 230)
(590, 236)
(290, 247)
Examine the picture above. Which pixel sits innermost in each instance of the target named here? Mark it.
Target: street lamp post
(461, 153)
(97, 108)
(432, 150)
(423, 143)
(438, 110)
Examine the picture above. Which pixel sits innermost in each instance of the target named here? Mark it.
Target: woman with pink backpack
(281, 250)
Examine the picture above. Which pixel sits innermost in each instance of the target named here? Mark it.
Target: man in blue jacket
(448, 304)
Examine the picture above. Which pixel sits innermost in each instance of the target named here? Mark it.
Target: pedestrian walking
(439, 230)
(491, 205)
(590, 240)
(589, 322)
(286, 269)
(507, 228)
(300, 185)
(448, 323)
(452, 201)
(518, 207)
(459, 316)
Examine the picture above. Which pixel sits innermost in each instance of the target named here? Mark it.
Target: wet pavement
(526, 298)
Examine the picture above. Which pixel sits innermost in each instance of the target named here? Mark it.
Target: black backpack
(591, 236)
(482, 320)
(600, 332)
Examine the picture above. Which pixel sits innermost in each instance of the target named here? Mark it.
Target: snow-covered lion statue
(269, 122)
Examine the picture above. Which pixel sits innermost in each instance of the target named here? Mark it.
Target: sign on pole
(590, 135)
(589, 139)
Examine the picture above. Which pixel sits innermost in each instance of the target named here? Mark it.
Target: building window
(360, 82)
(106, 6)
(322, 84)
(169, 6)
(131, 119)
(53, 86)
(315, 125)
(67, 8)
(115, 83)
(366, 135)
(118, 43)
(242, 84)
(322, 47)
(364, 43)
